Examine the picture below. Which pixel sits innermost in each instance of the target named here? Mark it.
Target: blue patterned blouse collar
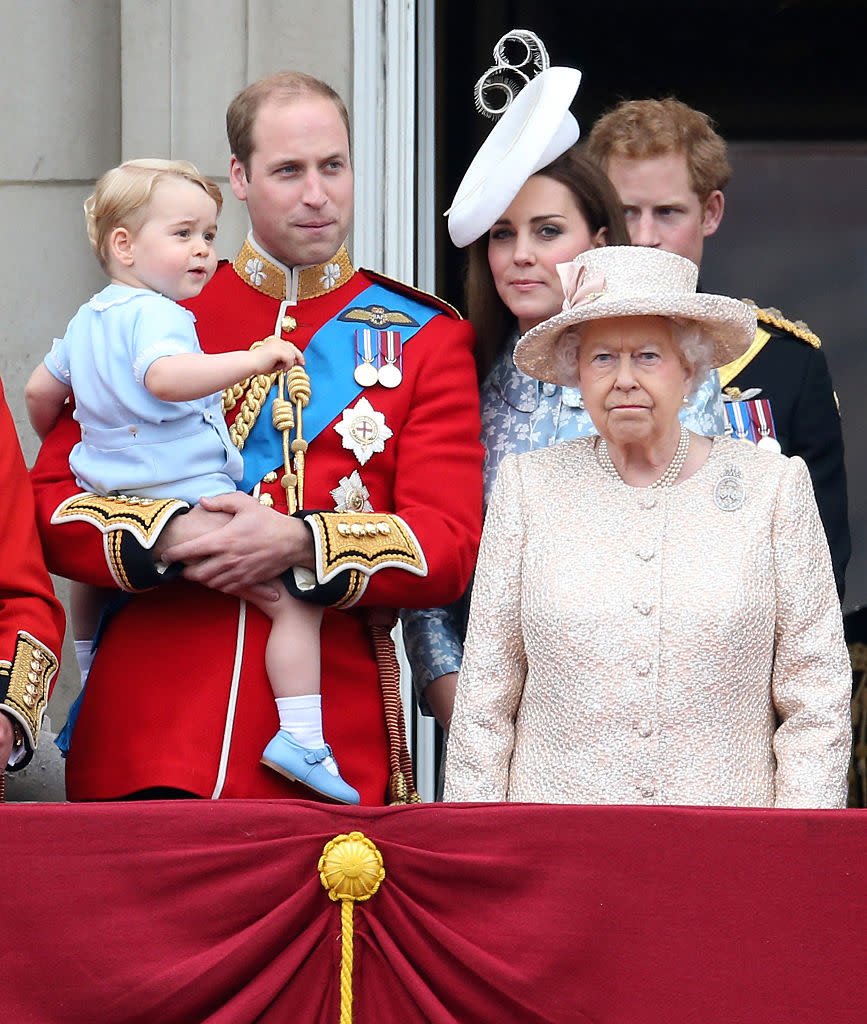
(519, 390)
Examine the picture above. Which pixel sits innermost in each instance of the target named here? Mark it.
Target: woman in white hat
(528, 201)
(612, 656)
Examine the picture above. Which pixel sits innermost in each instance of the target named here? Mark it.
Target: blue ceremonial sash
(330, 363)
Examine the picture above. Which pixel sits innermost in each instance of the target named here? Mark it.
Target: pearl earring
(685, 400)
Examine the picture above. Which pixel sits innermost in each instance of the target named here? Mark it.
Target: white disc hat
(536, 128)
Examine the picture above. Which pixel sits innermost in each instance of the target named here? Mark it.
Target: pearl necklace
(667, 478)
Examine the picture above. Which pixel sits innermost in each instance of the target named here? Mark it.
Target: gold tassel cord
(347, 960)
(284, 421)
(351, 870)
(298, 384)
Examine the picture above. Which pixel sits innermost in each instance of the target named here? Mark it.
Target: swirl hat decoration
(534, 128)
(632, 280)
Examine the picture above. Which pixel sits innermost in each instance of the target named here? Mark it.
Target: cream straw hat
(632, 280)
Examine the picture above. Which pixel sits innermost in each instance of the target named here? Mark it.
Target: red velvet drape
(196, 911)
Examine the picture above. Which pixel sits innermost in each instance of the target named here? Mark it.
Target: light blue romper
(132, 442)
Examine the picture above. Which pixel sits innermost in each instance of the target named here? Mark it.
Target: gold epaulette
(775, 318)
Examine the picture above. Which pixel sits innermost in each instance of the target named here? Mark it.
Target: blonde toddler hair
(122, 195)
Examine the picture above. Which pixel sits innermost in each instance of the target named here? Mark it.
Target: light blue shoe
(304, 764)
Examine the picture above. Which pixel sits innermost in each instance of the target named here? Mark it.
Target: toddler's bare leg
(85, 609)
(292, 652)
(299, 751)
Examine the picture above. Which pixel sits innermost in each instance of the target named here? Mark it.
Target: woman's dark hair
(600, 206)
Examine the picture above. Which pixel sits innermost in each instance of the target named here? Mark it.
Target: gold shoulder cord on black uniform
(774, 318)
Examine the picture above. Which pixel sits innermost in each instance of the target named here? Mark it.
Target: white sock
(302, 718)
(84, 656)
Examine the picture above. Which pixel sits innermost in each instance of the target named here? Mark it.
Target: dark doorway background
(786, 83)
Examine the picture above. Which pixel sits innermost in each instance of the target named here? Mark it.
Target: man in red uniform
(386, 452)
(31, 619)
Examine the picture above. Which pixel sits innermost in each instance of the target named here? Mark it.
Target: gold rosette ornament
(351, 870)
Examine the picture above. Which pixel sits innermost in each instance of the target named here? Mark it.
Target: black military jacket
(787, 364)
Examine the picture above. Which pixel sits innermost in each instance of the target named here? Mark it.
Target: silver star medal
(363, 430)
(729, 494)
(351, 495)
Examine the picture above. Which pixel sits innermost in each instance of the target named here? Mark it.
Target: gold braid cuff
(144, 518)
(130, 527)
(356, 584)
(365, 542)
(24, 687)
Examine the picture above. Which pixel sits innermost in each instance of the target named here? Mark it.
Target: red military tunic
(178, 694)
(31, 618)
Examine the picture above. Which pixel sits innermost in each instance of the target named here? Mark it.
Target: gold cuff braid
(355, 587)
(142, 517)
(26, 682)
(365, 542)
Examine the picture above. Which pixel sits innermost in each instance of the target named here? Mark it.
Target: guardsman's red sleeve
(31, 618)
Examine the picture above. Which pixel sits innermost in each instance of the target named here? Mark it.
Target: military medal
(366, 352)
(390, 359)
(740, 420)
(351, 495)
(363, 430)
(767, 432)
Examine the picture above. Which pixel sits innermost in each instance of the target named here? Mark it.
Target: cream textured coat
(672, 646)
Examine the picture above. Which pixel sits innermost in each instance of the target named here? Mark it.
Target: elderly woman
(613, 655)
